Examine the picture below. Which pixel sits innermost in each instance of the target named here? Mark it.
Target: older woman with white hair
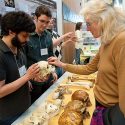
(107, 22)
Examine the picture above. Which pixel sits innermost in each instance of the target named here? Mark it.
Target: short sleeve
(2, 69)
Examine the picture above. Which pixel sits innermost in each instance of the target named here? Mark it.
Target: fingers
(70, 33)
(33, 71)
(55, 77)
(35, 66)
(30, 86)
(51, 60)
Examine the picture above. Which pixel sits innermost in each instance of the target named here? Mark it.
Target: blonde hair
(111, 19)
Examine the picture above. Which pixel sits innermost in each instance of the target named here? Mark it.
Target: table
(44, 96)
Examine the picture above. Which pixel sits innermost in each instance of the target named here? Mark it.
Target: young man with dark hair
(40, 47)
(14, 89)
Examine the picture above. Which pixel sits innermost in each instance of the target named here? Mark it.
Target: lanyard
(44, 41)
(21, 64)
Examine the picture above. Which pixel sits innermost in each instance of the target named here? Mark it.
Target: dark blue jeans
(59, 72)
(114, 116)
(77, 56)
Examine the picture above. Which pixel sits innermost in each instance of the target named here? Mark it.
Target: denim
(77, 56)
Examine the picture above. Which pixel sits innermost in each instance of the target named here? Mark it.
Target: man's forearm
(9, 88)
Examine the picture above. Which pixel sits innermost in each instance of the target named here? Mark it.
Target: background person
(79, 42)
(59, 42)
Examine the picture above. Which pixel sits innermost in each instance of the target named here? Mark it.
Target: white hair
(111, 19)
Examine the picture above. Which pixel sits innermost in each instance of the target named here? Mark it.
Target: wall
(59, 17)
(124, 4)
(68, 26)
(69, 50)
(75, 5)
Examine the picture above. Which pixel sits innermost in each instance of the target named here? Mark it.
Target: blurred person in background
(59, 42)
(14, 88)
(79, 42)
(107, 22)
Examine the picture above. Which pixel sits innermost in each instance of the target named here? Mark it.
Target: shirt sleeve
(84, 69)
(79, 36)
(2, 69)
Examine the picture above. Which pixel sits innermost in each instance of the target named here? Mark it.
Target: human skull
(75, 105)
(82, 96)
(70, 118)
(45, 69)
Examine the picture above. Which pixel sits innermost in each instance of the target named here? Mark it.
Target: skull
(45, 68)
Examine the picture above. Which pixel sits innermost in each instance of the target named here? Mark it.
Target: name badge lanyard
(43, 51)
(22, 69)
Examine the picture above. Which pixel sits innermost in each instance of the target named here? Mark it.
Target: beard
(17, 43)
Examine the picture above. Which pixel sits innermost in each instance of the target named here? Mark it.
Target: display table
(47, 96)
(86, 55)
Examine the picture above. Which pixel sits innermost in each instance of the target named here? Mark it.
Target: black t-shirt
(18, 101)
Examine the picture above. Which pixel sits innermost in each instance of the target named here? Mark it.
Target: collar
(42, 34)
(4, 47)
(50, 30)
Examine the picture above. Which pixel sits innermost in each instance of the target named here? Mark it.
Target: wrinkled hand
(54, 61)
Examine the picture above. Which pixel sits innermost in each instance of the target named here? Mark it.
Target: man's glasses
(88, 24)
(43, 21)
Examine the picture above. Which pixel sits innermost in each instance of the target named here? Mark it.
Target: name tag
(44, 51)
(22, 70)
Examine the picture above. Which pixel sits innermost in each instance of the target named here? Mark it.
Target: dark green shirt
(33, 48)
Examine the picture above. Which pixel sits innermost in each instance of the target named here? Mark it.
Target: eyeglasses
(43, 21)
(88, 24)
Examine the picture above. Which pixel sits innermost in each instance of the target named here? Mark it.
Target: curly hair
(43, 10)
(16, 22)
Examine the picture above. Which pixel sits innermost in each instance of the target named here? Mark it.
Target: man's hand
(30, 86)
(32, 71)
(55, 77)
(44, 79)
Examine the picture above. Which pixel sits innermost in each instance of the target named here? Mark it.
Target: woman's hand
(55, 61)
